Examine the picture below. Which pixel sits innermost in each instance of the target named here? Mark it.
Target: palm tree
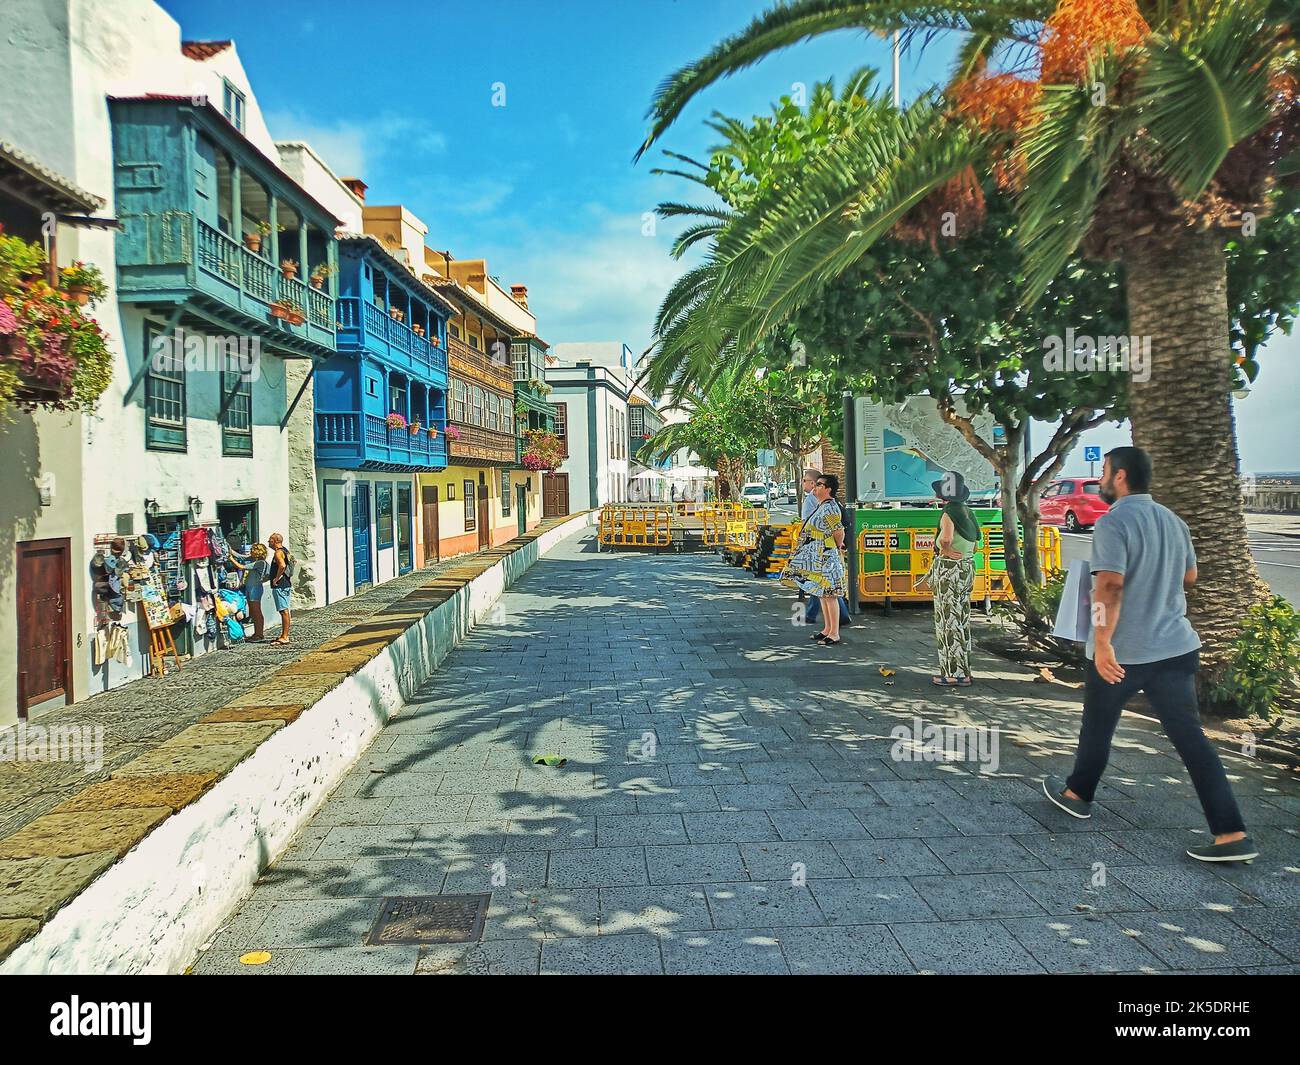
(1147, 131)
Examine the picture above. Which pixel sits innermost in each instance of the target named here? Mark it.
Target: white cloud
(356, 148)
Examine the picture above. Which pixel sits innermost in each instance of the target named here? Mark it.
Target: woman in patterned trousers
(952, 575)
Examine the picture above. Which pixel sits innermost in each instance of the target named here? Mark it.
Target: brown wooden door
(484, 528)
(429, 503)
(44, 622)
(555, 495)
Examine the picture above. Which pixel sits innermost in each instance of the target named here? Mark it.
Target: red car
(1074, 502)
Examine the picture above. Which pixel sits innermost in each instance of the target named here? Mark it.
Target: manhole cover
(430, 919)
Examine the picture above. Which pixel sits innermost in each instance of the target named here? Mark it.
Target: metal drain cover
(430, 919)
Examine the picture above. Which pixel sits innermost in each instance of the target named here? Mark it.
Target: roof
(19, 168)
(475, 305)
(533, 336)
(202, 50)
(346, 236)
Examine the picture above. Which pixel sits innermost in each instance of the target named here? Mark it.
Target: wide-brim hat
(952, 487)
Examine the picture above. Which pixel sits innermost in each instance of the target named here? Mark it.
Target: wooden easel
(160, 645)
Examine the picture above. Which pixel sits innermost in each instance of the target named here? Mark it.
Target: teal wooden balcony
(208, 222)
(363, 325)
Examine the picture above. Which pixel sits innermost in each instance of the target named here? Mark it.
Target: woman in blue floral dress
(816, 566)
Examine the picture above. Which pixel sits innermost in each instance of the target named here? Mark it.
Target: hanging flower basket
(414, 427)
(396, 421)
(453, 433)
(433, 431)
(288, 311)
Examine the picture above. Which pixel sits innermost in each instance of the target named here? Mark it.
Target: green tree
(1144, 138)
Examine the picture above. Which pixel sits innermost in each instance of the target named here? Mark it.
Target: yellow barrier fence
(635, 527)
(905, 556)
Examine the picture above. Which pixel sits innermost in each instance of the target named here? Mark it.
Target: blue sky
(400, 93)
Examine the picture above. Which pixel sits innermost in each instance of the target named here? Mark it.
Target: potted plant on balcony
(51, 354)
(289, 311)
(397, 314)
(542, 451)
(414, 427)
(396, 421)
(83, 283)
(433, 432)
(320, 274)
(253, 240)
(289, 267)
(417, 328)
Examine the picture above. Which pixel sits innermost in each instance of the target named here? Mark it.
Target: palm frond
(788, 23)
(1205, 89)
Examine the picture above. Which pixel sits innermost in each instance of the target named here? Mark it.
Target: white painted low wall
(153, 910)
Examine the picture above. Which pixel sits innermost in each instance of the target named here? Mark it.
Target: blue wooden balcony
(363, 325)
(356, 440)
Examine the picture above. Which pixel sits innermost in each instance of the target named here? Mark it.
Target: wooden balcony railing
(484, 445)
(473, 365)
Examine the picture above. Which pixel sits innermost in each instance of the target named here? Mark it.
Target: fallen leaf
(256, 957)
(886, 672)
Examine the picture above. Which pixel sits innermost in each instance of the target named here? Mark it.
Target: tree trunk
(1008, 478)
(1182, 415)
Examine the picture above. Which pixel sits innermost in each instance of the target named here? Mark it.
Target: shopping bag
(1074, 615)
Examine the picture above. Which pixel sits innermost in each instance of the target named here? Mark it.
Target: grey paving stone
(1196, 939)
(904, 822)
(983, 854)
(659, 910)
(741, 826)
(696, 863)
(1066, 891)
(758, 797)
(818, 824)
(450, 838)
(507, 957)
(677, 801)
(640, 830)
(888, 857)
(838, 795)
(975, 895)
(1278, 926)
(776, 861)
(1082, 944)
(706, 775)
(379, 877)
(1162, 812)
(1182, 887)
(478, 782)
(429, 809)
(344, 811)
(1076, 851)
(542, 913)
(875, 900)
(1103, 819)
(1271, 880)
(300, 880)
(479, 874)
(562, 832)
(786, 771)
(626, 955)
(366, 841)
(964, 948)
(331, 923)
(914, 792)
(776, 902)
(724, 952)
(844, 951)
(600, 867)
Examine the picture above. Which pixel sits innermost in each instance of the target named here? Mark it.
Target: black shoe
(1243, 850)
(828, 642)
(1055, 791)
(818, 636)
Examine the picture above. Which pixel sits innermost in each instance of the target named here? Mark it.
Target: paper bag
(1074, 615)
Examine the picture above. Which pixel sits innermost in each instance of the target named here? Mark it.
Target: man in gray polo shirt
(1141, 640)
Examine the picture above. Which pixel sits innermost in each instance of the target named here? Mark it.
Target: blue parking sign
(1092, 454)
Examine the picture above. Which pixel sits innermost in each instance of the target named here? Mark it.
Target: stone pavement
(733, 802)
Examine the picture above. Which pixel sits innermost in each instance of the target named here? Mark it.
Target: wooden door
(555, 495)
(484, 526)
(429, 503)
(44, 622)
(521, 508)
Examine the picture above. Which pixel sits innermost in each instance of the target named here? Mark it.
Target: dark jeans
(1170, 684)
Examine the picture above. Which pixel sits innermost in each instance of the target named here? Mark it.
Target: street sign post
(1091, 455)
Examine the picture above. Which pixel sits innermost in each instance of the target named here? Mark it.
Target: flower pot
(279, 312)
(290, 272)
(253, 242)
(297, 318)
(317, 282)
(433, 431)
(414, 427)
(80, 293)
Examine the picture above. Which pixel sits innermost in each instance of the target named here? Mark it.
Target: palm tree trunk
(1182, 415)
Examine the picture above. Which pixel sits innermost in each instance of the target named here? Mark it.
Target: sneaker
(1055, 791)
(1243, 850)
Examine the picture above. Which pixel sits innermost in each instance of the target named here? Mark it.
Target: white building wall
(59, 62)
